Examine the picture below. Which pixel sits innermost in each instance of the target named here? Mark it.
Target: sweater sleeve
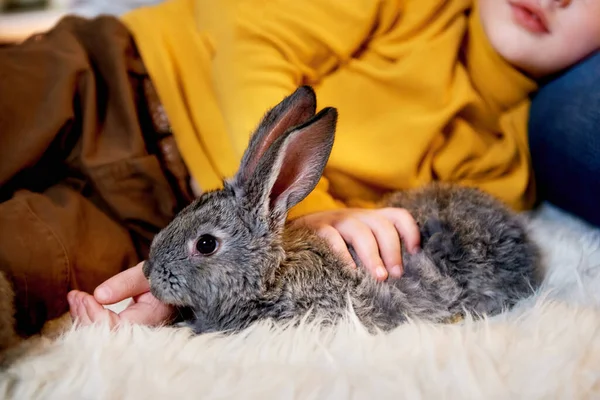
(274, 47)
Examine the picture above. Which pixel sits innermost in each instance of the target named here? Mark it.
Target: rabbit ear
(294, 110)
(292, 166)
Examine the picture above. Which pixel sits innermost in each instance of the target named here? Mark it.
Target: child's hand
(145, 309)
(374, 235)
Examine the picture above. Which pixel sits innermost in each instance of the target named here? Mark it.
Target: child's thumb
(128, 283)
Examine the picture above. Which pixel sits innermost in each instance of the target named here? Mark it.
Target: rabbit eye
(207, 245)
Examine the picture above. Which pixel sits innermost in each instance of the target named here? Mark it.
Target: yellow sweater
(420, 92)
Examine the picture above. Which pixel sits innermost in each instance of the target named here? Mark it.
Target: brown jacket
(88, 169)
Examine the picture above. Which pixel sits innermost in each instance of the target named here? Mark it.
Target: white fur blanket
(547, 347)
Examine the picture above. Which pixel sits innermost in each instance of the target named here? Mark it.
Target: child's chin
(519, 49)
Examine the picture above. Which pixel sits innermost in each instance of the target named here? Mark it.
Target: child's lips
(530, 17)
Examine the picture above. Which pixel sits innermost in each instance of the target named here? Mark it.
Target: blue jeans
(564, 139)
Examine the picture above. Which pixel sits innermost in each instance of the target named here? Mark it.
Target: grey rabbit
(232, 258)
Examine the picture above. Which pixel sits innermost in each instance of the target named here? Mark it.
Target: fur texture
(476, 257)
(546, 347)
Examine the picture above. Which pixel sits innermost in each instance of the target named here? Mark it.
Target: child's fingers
(146, 314)
(406, 226)
(80, 311)
(388, 241)
(72, 305)
(362, 239)
(95, 311)
(159, 311)
(336, 242)
(128, 283)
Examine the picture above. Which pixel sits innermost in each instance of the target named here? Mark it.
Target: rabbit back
(473, 243)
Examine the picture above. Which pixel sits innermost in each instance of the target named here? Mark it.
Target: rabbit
(232, 258)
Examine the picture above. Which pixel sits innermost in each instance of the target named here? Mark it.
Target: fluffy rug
(547, 347)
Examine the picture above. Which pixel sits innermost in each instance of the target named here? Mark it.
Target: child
(426, 90)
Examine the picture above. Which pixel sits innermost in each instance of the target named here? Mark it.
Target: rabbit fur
(475, 255)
